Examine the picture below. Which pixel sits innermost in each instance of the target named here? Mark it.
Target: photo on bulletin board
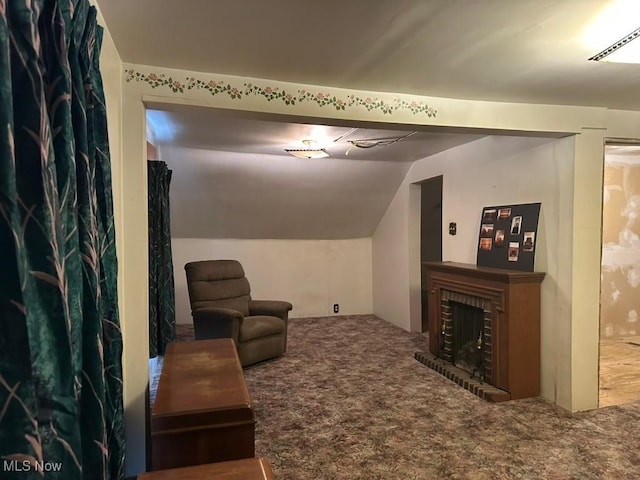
(507, 237)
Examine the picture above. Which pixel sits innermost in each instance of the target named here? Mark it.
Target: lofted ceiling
(503, 50)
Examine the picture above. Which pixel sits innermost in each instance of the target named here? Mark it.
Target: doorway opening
(619, 373)
(430, 235)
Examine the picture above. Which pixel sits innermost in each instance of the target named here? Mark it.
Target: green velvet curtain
(162, 317)
(61, 407)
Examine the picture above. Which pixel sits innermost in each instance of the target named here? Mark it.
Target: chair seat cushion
(258, 326)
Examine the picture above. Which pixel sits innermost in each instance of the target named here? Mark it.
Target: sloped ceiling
(231, 177)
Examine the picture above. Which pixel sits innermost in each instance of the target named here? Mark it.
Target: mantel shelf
(497, 274)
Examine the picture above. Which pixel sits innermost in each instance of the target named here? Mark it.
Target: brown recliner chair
(221, 307)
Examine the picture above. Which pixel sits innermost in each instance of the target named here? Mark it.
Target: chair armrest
(274, 308)
(216, 322)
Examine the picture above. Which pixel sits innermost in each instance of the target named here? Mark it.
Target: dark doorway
(430, 234)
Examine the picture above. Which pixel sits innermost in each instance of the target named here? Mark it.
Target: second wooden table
(203, 411)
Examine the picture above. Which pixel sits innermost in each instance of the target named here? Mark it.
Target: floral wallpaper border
(289, 98)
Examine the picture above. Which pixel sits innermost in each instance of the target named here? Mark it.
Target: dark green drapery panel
(162, 317)
(60, 339)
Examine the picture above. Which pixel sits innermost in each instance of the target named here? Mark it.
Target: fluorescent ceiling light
(625, 50)
(612, 32)
(309, 152)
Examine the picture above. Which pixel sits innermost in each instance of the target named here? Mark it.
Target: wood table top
(245, 469)
(201, 382)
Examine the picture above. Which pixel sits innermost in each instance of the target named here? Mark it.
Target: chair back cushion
(218, 283)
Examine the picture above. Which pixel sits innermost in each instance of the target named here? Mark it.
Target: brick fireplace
(484, 329)
(473, 353)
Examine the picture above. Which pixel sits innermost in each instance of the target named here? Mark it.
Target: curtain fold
(162, 318)
(60, 339)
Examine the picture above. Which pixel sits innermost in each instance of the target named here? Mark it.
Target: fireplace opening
(467, 338)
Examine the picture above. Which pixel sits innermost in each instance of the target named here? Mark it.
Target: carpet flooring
(348, 401)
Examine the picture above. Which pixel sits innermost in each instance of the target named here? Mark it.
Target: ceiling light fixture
(309, 152)
(624, 50)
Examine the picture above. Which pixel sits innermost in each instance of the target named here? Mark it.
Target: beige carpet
(348, 401)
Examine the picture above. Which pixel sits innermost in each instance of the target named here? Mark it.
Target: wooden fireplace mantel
(512, 299)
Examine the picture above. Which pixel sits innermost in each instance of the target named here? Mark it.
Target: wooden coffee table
(203, 411)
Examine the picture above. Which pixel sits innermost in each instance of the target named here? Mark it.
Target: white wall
(391, 261)
(311, 274)
(490, 171)
(134, 325)
(256, 196)
(135, 273)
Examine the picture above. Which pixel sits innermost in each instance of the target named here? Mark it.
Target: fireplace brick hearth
(462, 378)
(507, 359)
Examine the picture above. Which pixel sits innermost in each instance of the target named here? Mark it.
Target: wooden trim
(487, 273)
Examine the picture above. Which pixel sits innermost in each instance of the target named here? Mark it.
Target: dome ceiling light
(311, 151)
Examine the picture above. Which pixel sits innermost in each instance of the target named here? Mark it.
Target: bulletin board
(508, 236)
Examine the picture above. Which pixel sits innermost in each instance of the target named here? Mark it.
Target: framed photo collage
(507, 236)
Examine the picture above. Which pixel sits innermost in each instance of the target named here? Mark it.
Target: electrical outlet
(336, 308)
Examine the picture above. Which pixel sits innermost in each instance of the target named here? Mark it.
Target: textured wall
(620, 247)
